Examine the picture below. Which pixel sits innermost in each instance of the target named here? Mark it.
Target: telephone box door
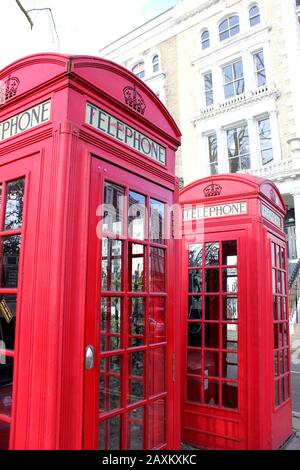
(128, 379)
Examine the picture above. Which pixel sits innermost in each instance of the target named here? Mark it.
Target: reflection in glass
(211, 392)
(193, 389)
(276, 385)
(157, 423)
(114, 364)
(136, 363)
(136, 267)
(136, 215)
(136, 391)
(230, 308)
(194, 334)
(136, 429)
(8, 304)
(113, 208)
(211, 363)
(212, 253)
(157, 319)
(195, 254)
(111, 264)
(229, 255)
(229, 366)
(194, 357)
(230, 395)
(156, 367)
(195, 280)
(109, 434)
(14, 204)
(6, 379)
(110, 323)
(212, 307)
(212, 280)
(157, 215)
(230, 280)
(9, 253)
(211, 335)
(230, 336)
(157, 270)
(195, 308)
(136, 321)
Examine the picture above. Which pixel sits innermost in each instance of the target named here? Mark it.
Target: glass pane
(266, 156)
(224, 35)
(211, 363)
(110, 385)
(136, 267)
(157, 424)
(195, 308)
(136, 215)
(111, 265)
(136, 429)
(136, 364)
(276, 385)
(193, 389)
(194, 334)
(276, 364)
(211, 392)
(4, 435)
(230, 395)
(136, 391)
(229, 90)
(136, 321)
(230, 336)
(156, 367)
(238, 69)
(157, 319)
(227, 74)
(229, 252)
(194, 357)
(230, 308)
(233, 20)
(230, 280)
(9, 253)
(212, 280)
(212, 303)
(113, 208)
(208, 81)
(287, 388)
(211, 335)
(195, 254)
(110, 323)
(276, 342)
(14, 204)
(7, 321)
(281, 390)
(212, 253)
(195, 280)
(6, 381)
(157, 270)
(157, 218)
(229, 366)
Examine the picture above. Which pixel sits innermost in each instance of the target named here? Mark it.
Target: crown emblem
(134, 99)
(9, 89)
(212, 190)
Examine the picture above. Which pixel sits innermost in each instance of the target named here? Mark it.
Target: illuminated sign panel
(268, 214)
(222, 210)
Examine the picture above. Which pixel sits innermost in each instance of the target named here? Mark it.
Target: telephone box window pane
(275, 308)
(114, 428)
(281, 362)
(278, 282)
(8, 305)
(229, 253)
(136, 391)
(283, 282)
(276, 364)
(110, 323)
(211, 363)
(276, 393)
(273, 254)
(157, 270)
(136, 215)
(6, 379)
(230, 308)
(136, 270)
(212, 303)
(14, 204)
(114, 392)
(195, 255)
(136, 321)
(276, 342)
(136, 364)
(9, 253)
(136, 429)
(230, 395)
(156, 367)
(114, 364)
(211, 392)
(4, 435)
(286, 360)
(195, 334)
(157, 424)
(282, 258)
(282, 390)
(195, 280)
(111, 264)
(212, 280)
(212, 254)
(229, 366)
(211, 335)
(230, 280)
(195, 308)
(194, 357)
(113, 208)
(157, 319)
(157, 221)
(279, 312)
(193, 389)
(287, 388)
(230, 336)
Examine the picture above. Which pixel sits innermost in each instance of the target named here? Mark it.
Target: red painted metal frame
(49, 378)
(257, 424)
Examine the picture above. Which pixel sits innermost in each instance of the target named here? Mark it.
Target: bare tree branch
(25, 13)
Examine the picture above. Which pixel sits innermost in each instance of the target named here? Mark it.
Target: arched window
(155, 64)
(254, 15)
(229, 27)
(205, 39)
(139, 69)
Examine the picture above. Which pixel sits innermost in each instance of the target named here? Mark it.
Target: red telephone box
(87, 293)
(236, 391)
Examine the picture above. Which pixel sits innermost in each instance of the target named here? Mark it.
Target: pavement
(295, 367)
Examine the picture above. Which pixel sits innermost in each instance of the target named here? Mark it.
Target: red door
(128, 379)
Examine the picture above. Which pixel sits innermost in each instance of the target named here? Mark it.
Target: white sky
(83, 26)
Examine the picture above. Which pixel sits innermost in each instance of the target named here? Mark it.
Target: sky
(82, 26)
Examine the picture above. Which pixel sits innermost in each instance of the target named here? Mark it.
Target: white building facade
(229, 72)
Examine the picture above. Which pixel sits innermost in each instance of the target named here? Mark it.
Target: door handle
(89, 357)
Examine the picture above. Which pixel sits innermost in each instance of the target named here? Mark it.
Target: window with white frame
(238, 148)
(213, 154)
(254, 15)
(265, 140)
(233, 79)
(205, 42)
(259, 67)
(139, 69)
(155, 64)
(208, 88)
(229, 27)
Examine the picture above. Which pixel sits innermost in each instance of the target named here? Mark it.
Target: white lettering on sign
(120, 131)
(268, 214)
(222, 210)
(25, 120)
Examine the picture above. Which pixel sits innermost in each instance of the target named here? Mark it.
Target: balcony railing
(274, 170)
